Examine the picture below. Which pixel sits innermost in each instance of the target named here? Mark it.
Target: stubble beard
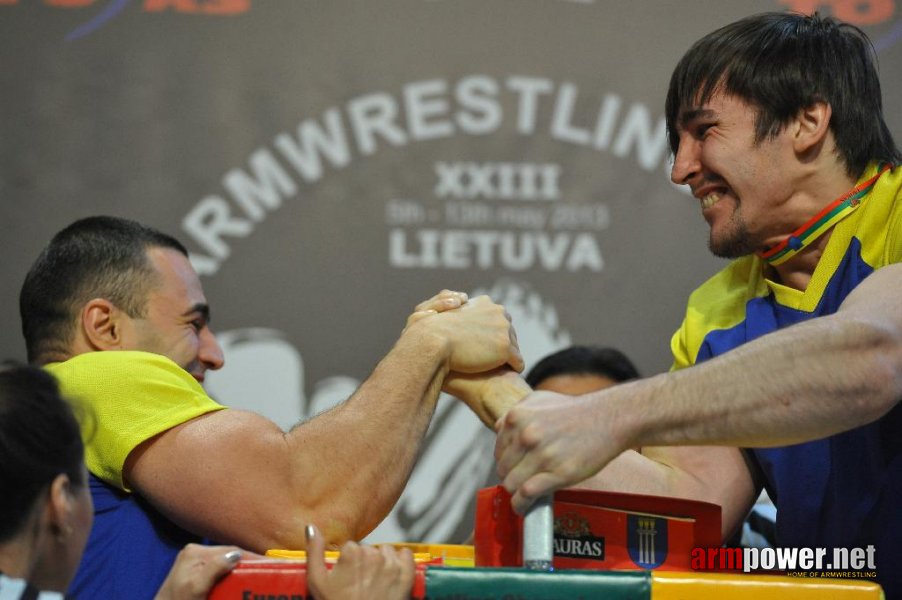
(737, 243)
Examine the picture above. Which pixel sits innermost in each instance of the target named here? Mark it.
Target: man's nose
(210, 351)
(686, 163)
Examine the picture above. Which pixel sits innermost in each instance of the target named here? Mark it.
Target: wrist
(632, 403)
(421, 339)
(509, 386)
(502, 392)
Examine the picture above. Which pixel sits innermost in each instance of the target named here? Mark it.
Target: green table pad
(449, 583)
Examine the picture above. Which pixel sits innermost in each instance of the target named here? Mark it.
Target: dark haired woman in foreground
(46, 512)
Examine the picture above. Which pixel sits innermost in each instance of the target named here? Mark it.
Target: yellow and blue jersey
(841, 491)
(132, 397)
(740, 304)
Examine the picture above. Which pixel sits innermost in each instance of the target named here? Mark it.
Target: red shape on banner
(69, 3)
(210, 7)
(857, 12)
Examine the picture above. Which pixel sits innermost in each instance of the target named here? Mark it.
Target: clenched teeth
(710, 200)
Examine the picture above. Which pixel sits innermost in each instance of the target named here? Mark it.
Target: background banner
(331, 164)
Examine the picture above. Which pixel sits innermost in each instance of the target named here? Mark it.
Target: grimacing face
(176, 321)
(741, 184)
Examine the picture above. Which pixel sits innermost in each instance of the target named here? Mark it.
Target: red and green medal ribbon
(821, 222)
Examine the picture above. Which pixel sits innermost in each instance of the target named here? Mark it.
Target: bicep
(716, 474)
(222, 475)
(877, 297)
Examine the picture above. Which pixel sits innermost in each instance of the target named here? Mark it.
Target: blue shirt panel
(130, 549)
(843, 491)
(764, 315)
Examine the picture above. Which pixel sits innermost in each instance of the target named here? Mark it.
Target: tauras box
(600, 530)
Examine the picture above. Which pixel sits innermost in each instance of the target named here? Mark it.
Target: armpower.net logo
(846, 563)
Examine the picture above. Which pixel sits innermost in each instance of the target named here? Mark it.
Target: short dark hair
(584, 360)
(39, 439)
(96, 257)
(781, 63)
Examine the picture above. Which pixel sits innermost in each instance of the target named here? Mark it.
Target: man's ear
(102, 324)
(59, 506)
(812, 127)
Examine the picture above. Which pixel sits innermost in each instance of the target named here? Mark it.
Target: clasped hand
(551, 441)
(479, 333)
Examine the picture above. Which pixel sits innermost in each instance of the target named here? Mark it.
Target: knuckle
(529, 490)
(531, 435)
(392, 567)
(350, 549)
(513, 418)
(567, 470)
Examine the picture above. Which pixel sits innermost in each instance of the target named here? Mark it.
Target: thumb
(225, 563)
(316, 564)
(212, 570)
(196, 569)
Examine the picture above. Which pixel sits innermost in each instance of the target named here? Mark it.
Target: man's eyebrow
(200, 307)
(691, 115)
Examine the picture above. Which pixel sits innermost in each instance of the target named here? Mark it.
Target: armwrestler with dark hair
(115, 311)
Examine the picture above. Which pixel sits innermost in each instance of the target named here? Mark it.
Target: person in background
(115, 311)
(577, 370)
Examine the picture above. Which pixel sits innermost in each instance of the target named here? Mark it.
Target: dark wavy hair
(96, 257)
(583, 360)
(781, 63)
(39, 439)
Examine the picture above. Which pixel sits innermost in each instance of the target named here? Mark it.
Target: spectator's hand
(361, 573)
(195, 571)
(479, 334)
(491, 394)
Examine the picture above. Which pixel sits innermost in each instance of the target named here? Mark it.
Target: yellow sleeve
(680, 350)
(719, 303)
(894, 230)
(128, 397)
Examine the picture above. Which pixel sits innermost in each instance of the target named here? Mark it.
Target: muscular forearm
(351, 463)
(805, 382)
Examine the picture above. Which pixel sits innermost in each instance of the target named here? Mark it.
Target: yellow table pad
(451, 555)
(716, 586)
